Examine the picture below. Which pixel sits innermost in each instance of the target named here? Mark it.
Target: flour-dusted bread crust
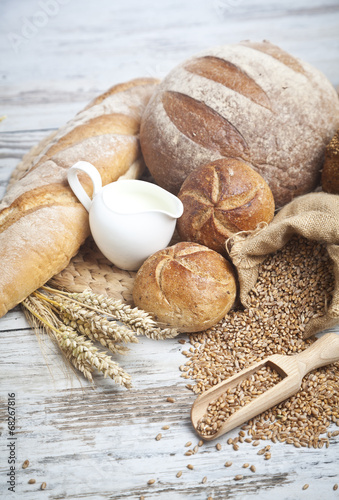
(250, 101)
(220, 199)
(330, 173)
(187, 286)
(42, 224)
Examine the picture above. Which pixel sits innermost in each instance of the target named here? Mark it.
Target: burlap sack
(314, 216)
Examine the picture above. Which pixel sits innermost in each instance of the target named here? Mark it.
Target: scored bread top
(220, 199)
(250, 101)
(187, 286)
(118, 112)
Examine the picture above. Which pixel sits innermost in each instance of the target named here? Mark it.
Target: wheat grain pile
(294, 285)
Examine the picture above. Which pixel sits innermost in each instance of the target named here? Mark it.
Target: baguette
(42, 224)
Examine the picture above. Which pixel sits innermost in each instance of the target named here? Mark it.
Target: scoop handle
(322, 352)
(78, 190)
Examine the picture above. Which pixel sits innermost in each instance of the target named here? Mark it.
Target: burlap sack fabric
(314, 216)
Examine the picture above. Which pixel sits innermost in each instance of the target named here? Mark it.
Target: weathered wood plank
(99, 443)
(131, 40)
(107, 433)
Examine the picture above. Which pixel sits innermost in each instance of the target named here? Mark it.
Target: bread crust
(220, 199)
(187, 286)
(330, 173)
(42, 224)
(250, 101)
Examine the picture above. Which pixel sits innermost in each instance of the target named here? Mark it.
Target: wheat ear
(78, 350)
(138, 320)
(39, 316)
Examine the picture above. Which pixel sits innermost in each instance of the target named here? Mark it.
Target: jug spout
(177, 208)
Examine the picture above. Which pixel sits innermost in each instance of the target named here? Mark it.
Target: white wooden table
(100, 443)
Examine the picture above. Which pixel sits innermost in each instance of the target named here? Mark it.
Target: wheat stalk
(80, 351)
(92, 319)
(85, 328)
(76, 320)
(138, 320)
(40, 316)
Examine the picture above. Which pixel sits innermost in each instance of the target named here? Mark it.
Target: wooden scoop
(292, 369)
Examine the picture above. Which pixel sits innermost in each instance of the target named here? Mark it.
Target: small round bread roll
(330, 173)
(220, 199)
(187, 286)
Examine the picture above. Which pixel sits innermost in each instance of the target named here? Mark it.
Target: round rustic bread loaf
(220, 199)
(187, 286)
(251, 101)
(330, 173)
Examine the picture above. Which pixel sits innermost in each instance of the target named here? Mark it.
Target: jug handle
(78, 190)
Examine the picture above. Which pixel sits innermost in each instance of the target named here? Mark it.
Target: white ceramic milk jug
(129, 219)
